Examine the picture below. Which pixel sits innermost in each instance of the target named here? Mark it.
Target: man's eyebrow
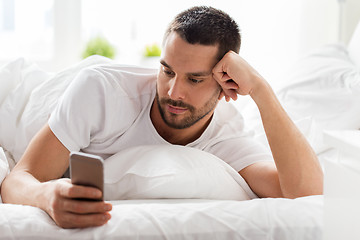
(162, 62)
(195, 74)
(200, 74)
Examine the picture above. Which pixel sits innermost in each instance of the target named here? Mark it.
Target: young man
(110, 108)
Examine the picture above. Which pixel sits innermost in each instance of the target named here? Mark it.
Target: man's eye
(167, 72)
(195, 80)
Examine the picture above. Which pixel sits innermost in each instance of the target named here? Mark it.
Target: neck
(177, 136)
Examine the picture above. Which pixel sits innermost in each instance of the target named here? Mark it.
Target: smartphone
(87, 170)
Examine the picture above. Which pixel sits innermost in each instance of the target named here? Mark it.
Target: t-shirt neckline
(157, 136)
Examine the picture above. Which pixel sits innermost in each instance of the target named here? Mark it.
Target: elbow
(307, 188)
(4, 190)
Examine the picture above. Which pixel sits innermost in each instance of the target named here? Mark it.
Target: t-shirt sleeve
(80, 111)
(242, 152)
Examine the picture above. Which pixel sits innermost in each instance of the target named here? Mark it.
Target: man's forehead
(195, 59)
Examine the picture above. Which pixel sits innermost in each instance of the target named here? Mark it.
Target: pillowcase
(354, 46)
(28, 98)
(171, 171)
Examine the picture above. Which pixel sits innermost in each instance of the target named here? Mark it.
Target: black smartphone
(87, 170)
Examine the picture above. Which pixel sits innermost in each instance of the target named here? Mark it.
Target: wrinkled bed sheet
(260, 219)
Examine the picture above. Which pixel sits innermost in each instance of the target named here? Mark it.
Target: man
(110, 108)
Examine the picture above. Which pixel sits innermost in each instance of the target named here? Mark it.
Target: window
(26, 29)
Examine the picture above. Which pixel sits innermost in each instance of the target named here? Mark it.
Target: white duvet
(184, 194)
(258, 219)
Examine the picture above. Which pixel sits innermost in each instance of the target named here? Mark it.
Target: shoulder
(121, 70)
(118, 76)
(117, 86)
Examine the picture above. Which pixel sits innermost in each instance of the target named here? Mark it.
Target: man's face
(186, 90)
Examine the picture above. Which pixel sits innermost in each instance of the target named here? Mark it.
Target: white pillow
(324, 85)
(354, 46)
(31, 95)
(171, 171)
(321, 92)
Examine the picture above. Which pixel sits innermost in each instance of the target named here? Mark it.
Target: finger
(230, 84)
(230, 94)
(69, 190)
(218, 77)
(86, 207)
(218, 69)
(221, 95)
(70, 220)
(225, 77)
(226, 83)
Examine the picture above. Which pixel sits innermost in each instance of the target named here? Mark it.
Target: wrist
(43, 195)
(261, 90)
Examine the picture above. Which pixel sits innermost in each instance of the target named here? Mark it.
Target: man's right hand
(68, 212)
(36, 181)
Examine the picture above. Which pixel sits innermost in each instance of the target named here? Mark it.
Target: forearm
(23, 188)
(299, 171)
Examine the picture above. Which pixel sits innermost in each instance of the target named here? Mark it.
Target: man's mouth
(176, 110)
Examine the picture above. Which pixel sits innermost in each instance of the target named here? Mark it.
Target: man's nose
(176, 89)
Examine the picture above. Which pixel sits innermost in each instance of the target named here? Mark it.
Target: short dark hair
(207, 26)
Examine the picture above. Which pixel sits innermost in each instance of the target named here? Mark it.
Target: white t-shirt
(107, 109)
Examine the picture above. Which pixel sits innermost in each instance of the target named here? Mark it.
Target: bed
(322, 93)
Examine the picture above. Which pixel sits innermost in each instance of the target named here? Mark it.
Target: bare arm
(29, 183)
(297, 172)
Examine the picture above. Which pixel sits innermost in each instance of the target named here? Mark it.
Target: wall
(350, 18)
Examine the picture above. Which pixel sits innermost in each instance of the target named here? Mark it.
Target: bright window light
(26, 29)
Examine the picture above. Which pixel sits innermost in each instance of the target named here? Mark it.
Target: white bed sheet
(256, 219)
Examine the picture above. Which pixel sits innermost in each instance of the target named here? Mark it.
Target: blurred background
(58, 33)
